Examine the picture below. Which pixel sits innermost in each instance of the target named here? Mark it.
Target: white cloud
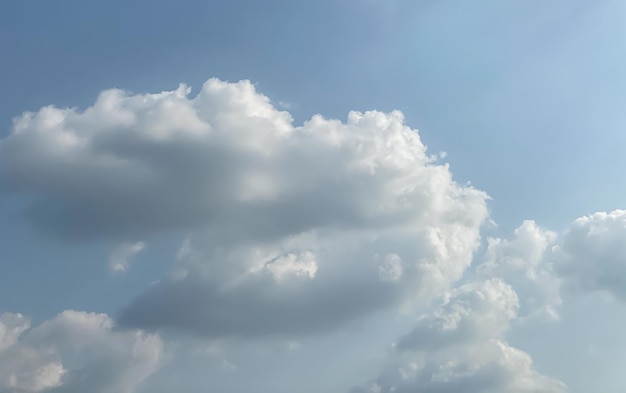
(24, 369)
(461, 347)
(120, 256)
(293, 230)
(523, 261)
(300, 265)
(471, 311)
(73, 353)
(591, 255)
(224, 158)
(286, 221)
(525, 251)
(294, 217)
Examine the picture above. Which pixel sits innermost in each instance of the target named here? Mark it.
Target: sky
(354, 196)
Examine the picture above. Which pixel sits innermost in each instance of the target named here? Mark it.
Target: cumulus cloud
(119, 259)
(132, 165)
(22, 368)
(524, 252)
(293, 228)
(303, 284)
(461, 347)
(285, 220)
(524, 262)
(135, 164)
(73, 353)
(542, 266)
(492, 366)
(471, 311)
(591, 255)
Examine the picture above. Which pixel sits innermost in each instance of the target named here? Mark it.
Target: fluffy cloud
(524, 252)
(74, 352)
(461, 347)
(22, 368)
(591, 255)
(477, 310)
(524, 262)
(134, 164)
(293, 228)
(302, 284)
(131, 165)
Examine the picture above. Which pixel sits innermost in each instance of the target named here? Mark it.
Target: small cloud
(299, 265)
(121, 255)
(285, 105)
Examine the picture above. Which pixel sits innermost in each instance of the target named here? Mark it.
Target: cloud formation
(131, 165)
(476, 310)
(135, 164)
(524, 262)
(461, 347)
(293, 228)
(73, 353)
(291, 231)
(591, 255)
(543, 266)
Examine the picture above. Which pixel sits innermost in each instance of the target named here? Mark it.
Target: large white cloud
(543, 266)
(131, 165)
(73, 353)
(293, 228)
(461, 347)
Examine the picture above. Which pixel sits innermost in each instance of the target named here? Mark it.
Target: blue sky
(524, 97)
